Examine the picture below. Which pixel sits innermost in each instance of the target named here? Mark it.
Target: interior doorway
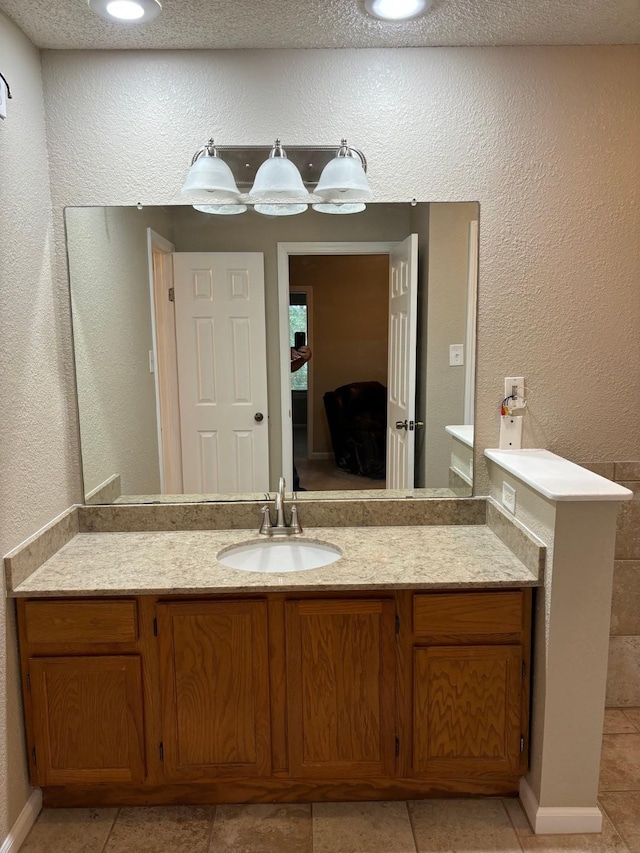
(340, 303)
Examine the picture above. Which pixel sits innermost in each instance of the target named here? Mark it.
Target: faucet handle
(294, 524)
(266, 526)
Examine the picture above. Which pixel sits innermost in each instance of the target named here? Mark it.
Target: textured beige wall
(547, 139)
(109, 270)
(38, 457)
(350, 325)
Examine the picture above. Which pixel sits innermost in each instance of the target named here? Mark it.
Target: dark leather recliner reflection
(357, 417)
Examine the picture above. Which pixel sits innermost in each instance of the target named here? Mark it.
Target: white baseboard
(20, 829)
(553, 820)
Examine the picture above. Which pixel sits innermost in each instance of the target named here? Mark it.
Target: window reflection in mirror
(185, 328)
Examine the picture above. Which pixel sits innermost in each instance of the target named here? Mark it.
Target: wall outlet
(514, 384)
(509, 497)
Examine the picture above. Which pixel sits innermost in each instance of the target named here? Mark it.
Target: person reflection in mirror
(299, 357)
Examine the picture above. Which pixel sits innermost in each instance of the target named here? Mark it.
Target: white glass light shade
(280, 209)
(211, 175)
(343, 178)
(354, 207)
(278, 176)
(221, 209)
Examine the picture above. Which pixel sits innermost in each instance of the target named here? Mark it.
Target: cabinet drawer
(80, 622)
(467, 613)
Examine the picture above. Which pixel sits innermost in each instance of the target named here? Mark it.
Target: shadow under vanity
(153, 674)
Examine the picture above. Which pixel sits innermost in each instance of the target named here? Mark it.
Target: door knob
(258, 417)
(401, 425)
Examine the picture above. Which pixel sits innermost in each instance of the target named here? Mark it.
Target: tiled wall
(623, 684)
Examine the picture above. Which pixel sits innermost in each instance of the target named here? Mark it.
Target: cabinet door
(467, 705)
(341, 688)
(87, 719)
(215, 674)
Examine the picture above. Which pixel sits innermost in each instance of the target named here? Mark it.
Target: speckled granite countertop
(184, 562)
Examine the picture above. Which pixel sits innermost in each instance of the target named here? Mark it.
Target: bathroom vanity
(152, 674)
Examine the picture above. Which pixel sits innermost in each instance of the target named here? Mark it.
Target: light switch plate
(456, 355)
(508, 497)
(3, 100)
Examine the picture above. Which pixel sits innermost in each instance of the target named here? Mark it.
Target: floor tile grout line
(214, 814)
(113, 823)
(313, 835)
(613, 823)
(512, 824)
(624, 712)
(413, 832)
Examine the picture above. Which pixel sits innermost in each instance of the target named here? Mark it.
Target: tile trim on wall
(623, 682)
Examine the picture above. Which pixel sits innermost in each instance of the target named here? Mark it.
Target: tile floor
(426, 826)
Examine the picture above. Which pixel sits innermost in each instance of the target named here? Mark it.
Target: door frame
(470, 336)
(308, 292)
(169, 457)
(285, 250)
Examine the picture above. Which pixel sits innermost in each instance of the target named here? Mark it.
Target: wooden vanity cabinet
(215, 690)
(276, 697)
(470, 675)
(87, 719)
(340, 664)
(83, 691)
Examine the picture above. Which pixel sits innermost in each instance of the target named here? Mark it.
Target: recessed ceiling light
(126, 11)
(396, 10)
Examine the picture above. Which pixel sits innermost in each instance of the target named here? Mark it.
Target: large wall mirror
(216, 352)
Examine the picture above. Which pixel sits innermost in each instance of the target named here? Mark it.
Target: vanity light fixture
(221, 209)
(210, 174)
(126, 11)
(278, 176)
(354, 207)
(344, 177)
(397, 10)
(284, 184)
(280, 209)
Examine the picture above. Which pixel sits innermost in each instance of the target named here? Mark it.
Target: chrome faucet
(282, 527)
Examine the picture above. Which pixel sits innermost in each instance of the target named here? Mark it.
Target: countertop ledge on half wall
(557, 478)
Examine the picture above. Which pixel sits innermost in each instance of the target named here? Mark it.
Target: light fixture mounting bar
(245, 160)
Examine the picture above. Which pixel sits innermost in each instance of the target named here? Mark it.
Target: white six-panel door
(222, 371)
(403, 301)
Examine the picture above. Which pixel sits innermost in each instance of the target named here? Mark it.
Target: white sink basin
(279, 555)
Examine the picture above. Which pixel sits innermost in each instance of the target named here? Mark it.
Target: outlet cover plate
(514, 381)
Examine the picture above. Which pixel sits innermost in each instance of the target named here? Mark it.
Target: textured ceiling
(190, 24)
